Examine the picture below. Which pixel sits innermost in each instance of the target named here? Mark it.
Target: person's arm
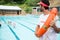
(56, 24)
(57, 30)
(37, 28)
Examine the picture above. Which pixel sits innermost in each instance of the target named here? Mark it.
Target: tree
(19, 1)
(32, 2)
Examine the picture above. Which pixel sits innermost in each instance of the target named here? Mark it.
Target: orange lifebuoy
(46, 25)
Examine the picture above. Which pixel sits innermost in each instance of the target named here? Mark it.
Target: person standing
(54, 29)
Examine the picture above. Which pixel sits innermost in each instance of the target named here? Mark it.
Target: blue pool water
(19, 27)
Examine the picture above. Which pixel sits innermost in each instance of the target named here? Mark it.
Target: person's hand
(37, 28)
(37, 35)
(52, 23)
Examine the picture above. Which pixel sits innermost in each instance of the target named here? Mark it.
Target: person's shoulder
(41, 15)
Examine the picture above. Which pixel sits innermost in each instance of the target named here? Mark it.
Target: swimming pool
(19, 27)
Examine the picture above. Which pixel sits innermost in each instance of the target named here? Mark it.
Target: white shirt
(50, 34)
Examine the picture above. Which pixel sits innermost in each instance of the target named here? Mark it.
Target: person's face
(42, 8)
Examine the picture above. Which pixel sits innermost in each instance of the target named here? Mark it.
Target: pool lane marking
(12, 30)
